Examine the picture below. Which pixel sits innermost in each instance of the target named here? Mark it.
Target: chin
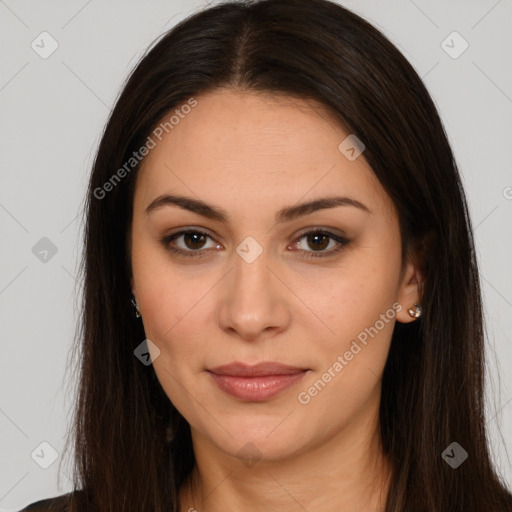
(265, 438)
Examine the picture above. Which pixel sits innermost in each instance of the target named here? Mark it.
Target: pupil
(316, 237)
(191, 235)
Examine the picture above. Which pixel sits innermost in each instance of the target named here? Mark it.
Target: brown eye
(319, 241)
(192, 242)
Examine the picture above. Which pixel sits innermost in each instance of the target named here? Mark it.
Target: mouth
(256, 383)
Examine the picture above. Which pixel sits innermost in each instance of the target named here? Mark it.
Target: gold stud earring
(415, 312)
(135, 306)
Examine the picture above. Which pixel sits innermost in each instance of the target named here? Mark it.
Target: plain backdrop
(53, 110)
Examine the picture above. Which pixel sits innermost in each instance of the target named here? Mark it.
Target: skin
(252, 155)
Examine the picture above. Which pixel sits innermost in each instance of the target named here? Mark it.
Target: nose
(255, 303)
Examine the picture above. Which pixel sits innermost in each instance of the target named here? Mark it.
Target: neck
(348, 472)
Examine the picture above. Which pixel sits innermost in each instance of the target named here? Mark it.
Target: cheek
(362, 327)
(359, 309)
(365, 290)
(173, 304)
(169, 304)
(167, 312)
(159, 294)
(353, 359)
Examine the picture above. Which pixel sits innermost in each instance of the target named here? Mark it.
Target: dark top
(60, 503)
(57, 504)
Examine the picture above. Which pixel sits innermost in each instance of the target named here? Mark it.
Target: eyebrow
(284, 215)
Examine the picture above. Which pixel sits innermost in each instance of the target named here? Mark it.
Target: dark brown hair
(432, 387)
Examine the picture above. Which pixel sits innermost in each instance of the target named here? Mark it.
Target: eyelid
(323, 229)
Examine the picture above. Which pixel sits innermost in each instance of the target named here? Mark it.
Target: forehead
(255, 149)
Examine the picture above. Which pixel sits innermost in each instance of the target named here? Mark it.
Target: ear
(131, 285)
(410, 290)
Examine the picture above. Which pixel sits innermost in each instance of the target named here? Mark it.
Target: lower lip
(255, 389)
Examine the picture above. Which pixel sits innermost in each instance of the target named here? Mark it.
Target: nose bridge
(251, 267)
(252, 302)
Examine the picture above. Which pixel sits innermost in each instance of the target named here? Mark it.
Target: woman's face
(256, 287)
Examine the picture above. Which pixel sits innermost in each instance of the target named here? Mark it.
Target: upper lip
(257, 370)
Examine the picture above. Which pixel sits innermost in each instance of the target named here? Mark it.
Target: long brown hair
(432, 387)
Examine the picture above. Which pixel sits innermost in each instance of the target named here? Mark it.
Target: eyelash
(342, 242)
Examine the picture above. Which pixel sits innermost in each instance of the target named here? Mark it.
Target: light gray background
(52, 114)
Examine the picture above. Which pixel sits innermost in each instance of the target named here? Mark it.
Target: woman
(276, 196)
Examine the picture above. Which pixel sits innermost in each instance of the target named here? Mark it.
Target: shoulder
(56, 504)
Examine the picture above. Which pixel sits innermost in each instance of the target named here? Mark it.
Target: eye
(193, 243)
(319, 240)
(193, 240)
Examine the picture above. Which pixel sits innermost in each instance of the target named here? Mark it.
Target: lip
(256, 383)
(257, 370)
